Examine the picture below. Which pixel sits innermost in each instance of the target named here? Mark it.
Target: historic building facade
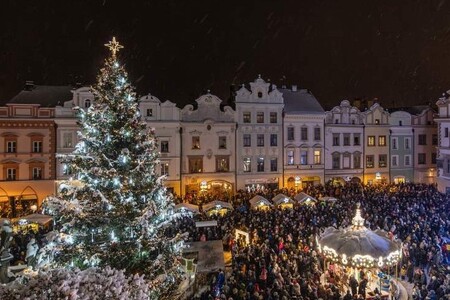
(259, 140)
(208, 147)
(303, 140)
(443, 149)
(344, 143)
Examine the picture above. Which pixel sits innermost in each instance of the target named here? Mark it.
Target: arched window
(87, 103)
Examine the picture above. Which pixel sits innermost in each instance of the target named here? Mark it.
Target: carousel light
(380, 261)
(344, 259)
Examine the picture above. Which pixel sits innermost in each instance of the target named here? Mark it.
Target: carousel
(358, 253)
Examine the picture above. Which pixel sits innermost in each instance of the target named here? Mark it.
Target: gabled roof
(45, 95)
(300, 101)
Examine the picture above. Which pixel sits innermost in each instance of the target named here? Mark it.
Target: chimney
(29, 85)
(294, 87)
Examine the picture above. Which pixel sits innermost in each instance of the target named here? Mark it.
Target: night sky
(397, 51)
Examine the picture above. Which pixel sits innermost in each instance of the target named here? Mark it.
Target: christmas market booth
(328, 199)
(217, 208)
(283, 201)
(305, 199)
(186, 209)
(358, 253)
(260, 203)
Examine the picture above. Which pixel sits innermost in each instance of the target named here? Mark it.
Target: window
(377, 121)
(11, 174)
(247, 118)
(336, 139)
(164, 168)
(304, 157)
(164, 146)
(259, 117)
(290, 133)
(87, 103)
(37, 147)
(336, 121)
(247, 164)
(382, 160)
(336, 161)
(273, 140)
(317, 157)
(434, 139)
(317, 134)
(37, 173)
(149, 112)
(446, 132)
(400, 123)
(260, 94)
(67, 140)
(394, 143)
(371, 140)
(247, 140)
(222, 142)
(346, 160)
(260, 140)
(290, 157)
(370, 161)
(422, 139)
(422, 158)
(382, 140)
(356, 160)
(346, 139)
(304, 133)
(222, 164)
(407, 143)
(273, 117)
(260, 164)
(11, 147)
(196, 164)
(394, 161)
(433, 158)
(195, 142)
(356, 139)
(273, 164)
(407, 160)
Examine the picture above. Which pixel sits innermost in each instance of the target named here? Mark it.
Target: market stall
(217, 208)
(283, 201)
(303, 198)
(187, 209)
(328, 199)
(260, 203)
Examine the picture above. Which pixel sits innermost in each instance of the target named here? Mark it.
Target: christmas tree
(116, 213)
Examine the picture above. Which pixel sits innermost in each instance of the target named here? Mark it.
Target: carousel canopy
(187, 206)
(281, 198)
(328, 199)
(359, 246)
(302, 197)
(217, 205)
(259, 201)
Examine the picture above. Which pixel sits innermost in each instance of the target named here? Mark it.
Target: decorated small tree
(115, 212)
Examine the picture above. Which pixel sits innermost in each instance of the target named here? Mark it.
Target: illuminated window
(304, 157)
(164, 169)
(196, 164)
(247, 164)
(317, 157)
(222, 164)
(382, 140)
(260, 164)
(290, 157)
(195, 142)
(370, 161)
(382, 160)
(371, 140)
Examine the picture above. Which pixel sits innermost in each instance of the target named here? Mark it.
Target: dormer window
(260, 94)
(149, 112)
(87, 103)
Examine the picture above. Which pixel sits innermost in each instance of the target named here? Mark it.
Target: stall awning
(217, 205)
(259, 201)
(187, 206)
(38, 218)
(302, 198)
(206, 223)
(281, 198)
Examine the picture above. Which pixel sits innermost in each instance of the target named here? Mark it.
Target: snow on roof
(300, 101)
(45, 95)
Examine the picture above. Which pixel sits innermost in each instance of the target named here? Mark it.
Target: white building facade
(208, 148)
(443, 149)
(259, 136)
(344, 144)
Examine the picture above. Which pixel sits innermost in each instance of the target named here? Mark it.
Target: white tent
(328, 199)
(259, 201)
(217, 205)
(282, 199)
(187, 207)
(37, 218)
(304, 198)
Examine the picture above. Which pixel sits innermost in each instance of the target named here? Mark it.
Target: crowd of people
(281, 262)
